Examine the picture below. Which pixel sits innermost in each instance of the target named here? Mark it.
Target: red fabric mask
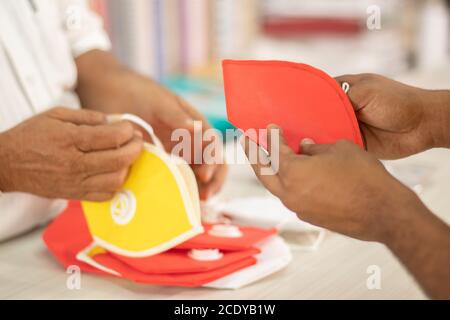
(305, 102)
(68, 234)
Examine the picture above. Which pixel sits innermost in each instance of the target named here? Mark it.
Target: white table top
(336, 270)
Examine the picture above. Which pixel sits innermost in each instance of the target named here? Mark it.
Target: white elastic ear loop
(135, 119)
(345, 86)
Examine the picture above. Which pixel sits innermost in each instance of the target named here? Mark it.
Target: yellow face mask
(157, 208)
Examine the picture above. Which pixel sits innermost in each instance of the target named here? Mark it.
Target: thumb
(173, 115)
(308, 147)
(357, 92)
(351, 79)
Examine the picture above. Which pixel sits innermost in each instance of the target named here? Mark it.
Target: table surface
(337, 270)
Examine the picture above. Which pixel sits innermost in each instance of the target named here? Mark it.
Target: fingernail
(307, 141)
(209, 171)
(189, 122)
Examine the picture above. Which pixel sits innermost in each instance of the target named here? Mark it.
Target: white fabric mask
(274, 256)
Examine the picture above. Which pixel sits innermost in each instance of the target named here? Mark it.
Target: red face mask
(304, 101)
(68, 235)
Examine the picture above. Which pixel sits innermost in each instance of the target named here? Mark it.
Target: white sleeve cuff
(95, 40)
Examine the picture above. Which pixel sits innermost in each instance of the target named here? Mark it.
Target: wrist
(421, 241)
(4, 166)
(398, 213)
(403, 223)
(437, 116)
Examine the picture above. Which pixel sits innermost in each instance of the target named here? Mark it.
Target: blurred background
(182, 42)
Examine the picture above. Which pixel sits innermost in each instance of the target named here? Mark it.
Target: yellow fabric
(166, 207)
(95, 251)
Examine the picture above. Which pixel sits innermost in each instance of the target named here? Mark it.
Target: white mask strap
(136, 120)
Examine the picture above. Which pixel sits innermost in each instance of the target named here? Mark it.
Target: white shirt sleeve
(83, 26)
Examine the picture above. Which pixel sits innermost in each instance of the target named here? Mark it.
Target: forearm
(107, 86)
(437, 103)
(100, 78)
(3, 168)
(5, 173)
(422, 243)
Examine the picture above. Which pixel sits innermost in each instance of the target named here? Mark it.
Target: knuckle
(82, 137)
(366, 76)
(78, 164)
(136, 149)
(67, 136)
(127, 129)
(123, 133)
(70, 166)
(369, 77)
(78, 168)
(116, 138)
(56, 111)
(121, 162)
(94, 116)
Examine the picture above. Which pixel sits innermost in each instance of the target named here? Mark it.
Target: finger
(351, 79)
(197, 124)
(270, 181)
(215, 184)
(106, 182)
(175, 117)
(103, 137)
(195, 115)
(97, 196)
(78, 116)
(212, 153)
(277, 143)
(310, 148)
(359, 92)
(193, 112)
(114, 159)
(204, 172)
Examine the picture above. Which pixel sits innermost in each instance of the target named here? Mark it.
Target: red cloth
(178, 261)
(193, 279)
(250, 237)
(68, 234)
(304, 101)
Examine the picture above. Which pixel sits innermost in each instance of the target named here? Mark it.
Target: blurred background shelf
(181, 42)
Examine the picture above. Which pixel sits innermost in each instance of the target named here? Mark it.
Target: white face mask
(248, 211)
(274, 256)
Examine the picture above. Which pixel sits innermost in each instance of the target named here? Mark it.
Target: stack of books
(339, 36)
(181, 42)
(164, 38)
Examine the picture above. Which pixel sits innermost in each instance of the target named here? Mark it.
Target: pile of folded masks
(223, 256)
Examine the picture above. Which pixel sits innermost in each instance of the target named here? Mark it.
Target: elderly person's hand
(70, 154)
(107, 86)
